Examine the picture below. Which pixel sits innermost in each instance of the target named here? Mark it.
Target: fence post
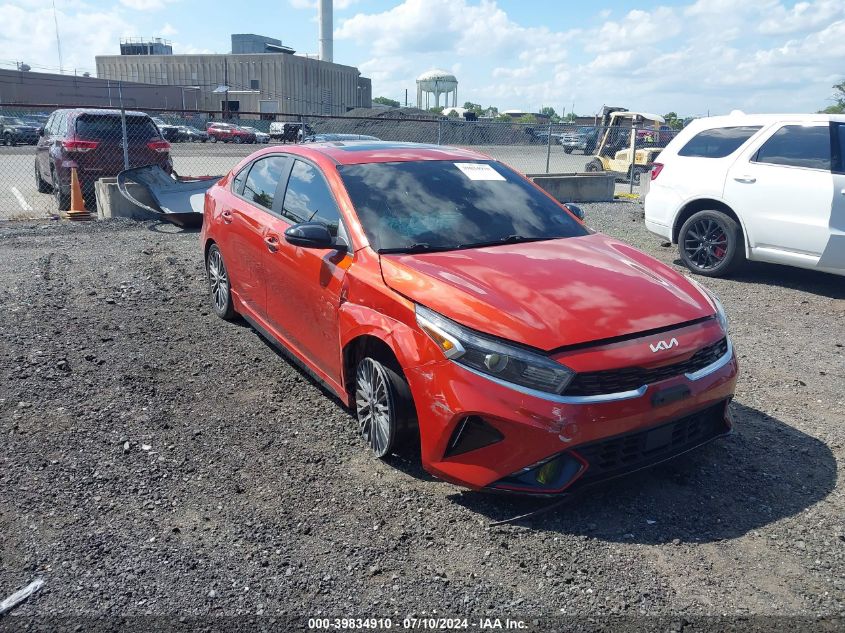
(439, 130)
(123, 127)
(549, 146)
(633, 158)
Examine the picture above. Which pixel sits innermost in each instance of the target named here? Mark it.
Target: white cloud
(764, 55)
(168, 30)
(339, 5)
(146, 5)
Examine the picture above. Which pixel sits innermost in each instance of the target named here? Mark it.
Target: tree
(839, 97)
(492, 111)
(550, 112)
(526, 118)
(570, 117)
(473, 107)
(673, 121)
(436, 110)
(385, 101)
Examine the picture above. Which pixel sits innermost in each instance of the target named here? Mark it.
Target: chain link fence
(40, 146)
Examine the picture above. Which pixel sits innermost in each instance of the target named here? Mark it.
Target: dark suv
(92, 141)
(14, 130)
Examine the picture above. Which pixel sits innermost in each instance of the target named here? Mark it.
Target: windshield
(110, 128)
(440, 205)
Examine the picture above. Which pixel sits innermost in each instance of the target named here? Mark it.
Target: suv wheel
(42, 185)
(8, 139)
(219, 287)
(382, 404)
(211, 139)
(711, 244)
(62, 197)
(237, 140)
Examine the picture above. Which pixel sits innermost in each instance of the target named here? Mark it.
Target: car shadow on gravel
(765, 471)
(812, 281)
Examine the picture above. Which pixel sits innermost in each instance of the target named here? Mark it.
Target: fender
(720, 200)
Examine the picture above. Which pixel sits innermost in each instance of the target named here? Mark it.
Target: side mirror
(312, 235)
(577, 211)
(41, 131)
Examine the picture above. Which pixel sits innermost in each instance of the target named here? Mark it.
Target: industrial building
(27, 87)
(268, 79)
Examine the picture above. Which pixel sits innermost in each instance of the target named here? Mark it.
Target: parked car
(289, 131)
(760, 187)
(190, 134)
(227, 133)
(326, 138)
(260, 137)
(92, 141)
(168, 130)
(15, 131)
(575, 139)
(441, 294)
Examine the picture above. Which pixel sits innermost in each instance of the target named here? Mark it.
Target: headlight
(490, 357)
(721, 316)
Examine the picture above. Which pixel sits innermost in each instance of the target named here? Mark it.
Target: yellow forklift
(612, 152)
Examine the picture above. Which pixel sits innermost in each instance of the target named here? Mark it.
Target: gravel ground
(158, 461)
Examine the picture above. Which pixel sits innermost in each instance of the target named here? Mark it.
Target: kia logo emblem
(663, 345)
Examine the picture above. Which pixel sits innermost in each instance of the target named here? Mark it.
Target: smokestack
(324, 15)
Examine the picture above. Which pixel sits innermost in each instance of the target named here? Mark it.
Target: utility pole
(226, 83)
(123, 127)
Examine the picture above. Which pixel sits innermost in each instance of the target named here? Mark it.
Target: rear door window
(263, 180)
(797, 146)
(718, 142)
(109, 128)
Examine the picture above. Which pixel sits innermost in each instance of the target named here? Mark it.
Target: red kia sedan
(439, 293)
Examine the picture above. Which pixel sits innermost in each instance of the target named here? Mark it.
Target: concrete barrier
(584, 187)
(111, 204)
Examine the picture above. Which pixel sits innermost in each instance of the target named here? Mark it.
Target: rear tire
(711, 244)
(212, 139)
(237, 140)
(8, 139)
(383, 404)
(219, 284)
(567, 150)
(594, 165)
(62, 198)
(42, 185)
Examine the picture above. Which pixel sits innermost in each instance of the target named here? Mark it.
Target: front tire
(219, 285)
(711, 244)
(8, 140)
(383, 404)
(212, 139)
(237, 140)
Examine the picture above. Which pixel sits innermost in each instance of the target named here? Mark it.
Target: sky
(692, 57)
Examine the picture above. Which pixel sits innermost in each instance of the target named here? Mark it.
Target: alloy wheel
(219, 281)
(374, 405)
(706, 243)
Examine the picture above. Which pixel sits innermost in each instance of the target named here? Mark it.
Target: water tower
(437, 82)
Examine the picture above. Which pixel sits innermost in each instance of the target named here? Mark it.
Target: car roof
(358, 152)
(101, 112)
(738, 118)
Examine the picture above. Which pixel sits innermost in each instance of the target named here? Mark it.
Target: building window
(193, 76)
(254, 84)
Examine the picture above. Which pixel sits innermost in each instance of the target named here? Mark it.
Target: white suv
(768, 188)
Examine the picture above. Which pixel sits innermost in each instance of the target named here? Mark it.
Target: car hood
(549, 294)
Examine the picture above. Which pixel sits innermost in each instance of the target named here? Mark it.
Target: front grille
(625, 453)
(629, 378)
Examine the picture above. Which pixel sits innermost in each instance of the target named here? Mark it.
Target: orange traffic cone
(77, 202)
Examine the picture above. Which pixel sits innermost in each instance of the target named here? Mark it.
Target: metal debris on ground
(19, 596)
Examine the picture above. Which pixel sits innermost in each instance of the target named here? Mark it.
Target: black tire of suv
(735, 247)
(594, 165)
(8, 140)
(42, 185)
(212, 139)
(62, 198)
(237, 140)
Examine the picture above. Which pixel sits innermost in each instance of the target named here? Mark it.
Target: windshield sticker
(479, 171)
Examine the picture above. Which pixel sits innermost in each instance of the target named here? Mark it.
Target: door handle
(272, 243)
(748, 180)
(227, 217)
